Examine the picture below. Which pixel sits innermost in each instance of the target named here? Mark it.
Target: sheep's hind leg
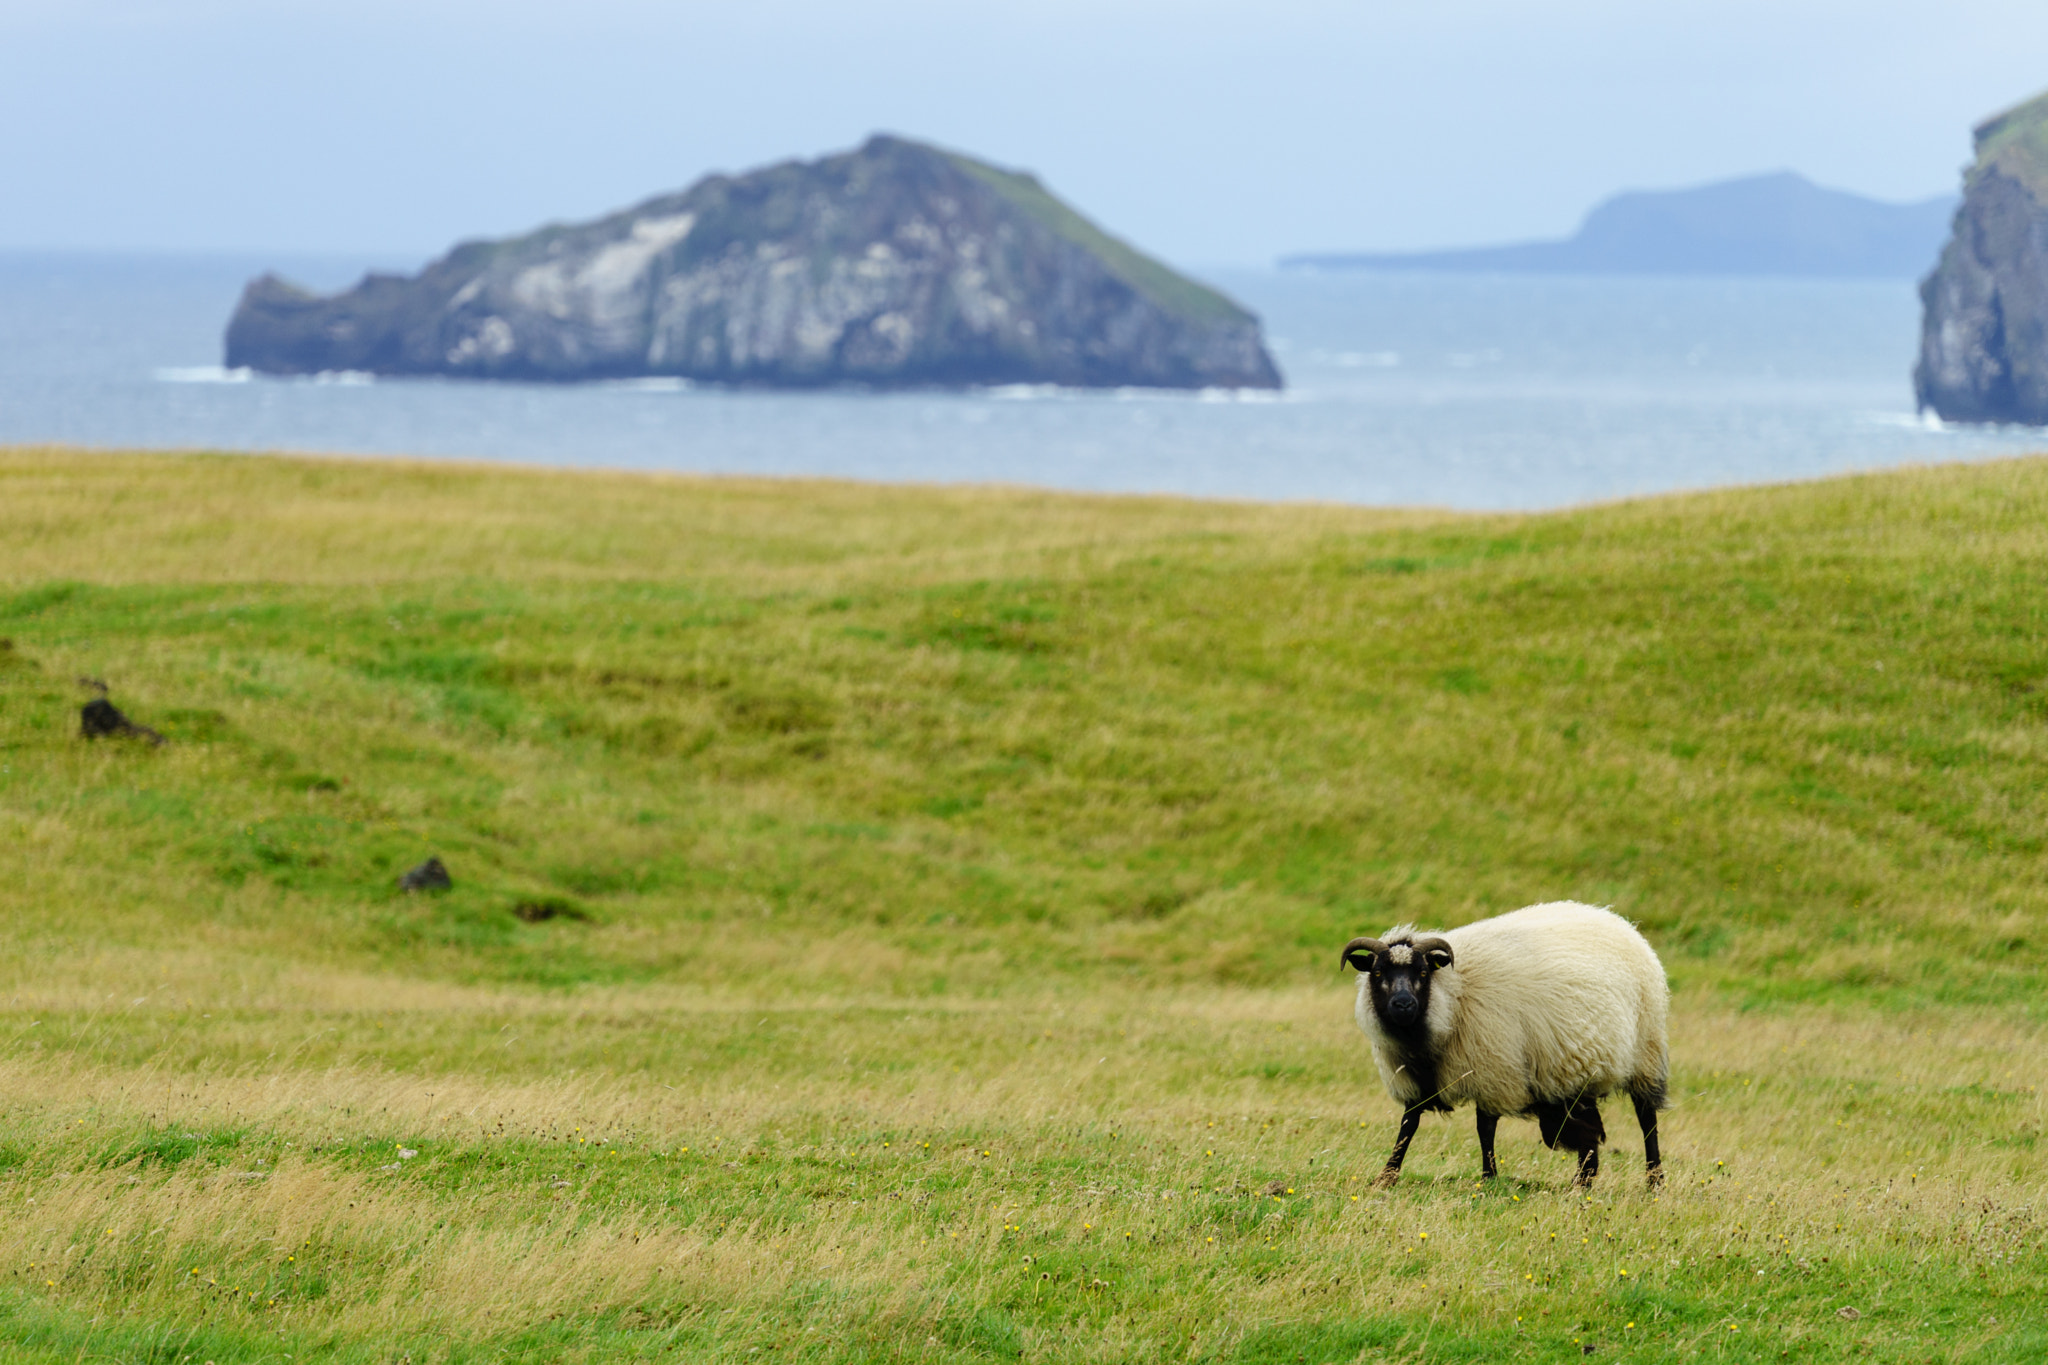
(1583, 1133)
(1646, 1115)
(1487, 1123)
(1411, 1120)
(1574, 1124)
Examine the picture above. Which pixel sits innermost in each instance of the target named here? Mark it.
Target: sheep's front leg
(1487, 1124)
(1411, 1120)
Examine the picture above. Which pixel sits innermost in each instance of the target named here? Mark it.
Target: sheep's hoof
(1655, 1176)
(1385, 1179)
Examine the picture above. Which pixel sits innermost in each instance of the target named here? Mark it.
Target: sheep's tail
(1650, 1087)
(1651, 1094)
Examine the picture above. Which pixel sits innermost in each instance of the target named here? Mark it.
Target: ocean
(1477, 392)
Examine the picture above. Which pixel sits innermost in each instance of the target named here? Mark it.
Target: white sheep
(1537, 1012)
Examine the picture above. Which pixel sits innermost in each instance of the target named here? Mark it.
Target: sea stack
(1984, 320)
(896, 265)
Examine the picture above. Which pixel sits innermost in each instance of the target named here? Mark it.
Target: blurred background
(161, 154)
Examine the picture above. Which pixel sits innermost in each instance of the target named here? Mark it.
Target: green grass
(2016, 142)
(902, 923)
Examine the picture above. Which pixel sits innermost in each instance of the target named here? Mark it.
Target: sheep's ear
(1436, 952)
(1359, 953)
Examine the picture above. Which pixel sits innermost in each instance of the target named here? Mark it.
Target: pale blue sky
(1209, 133)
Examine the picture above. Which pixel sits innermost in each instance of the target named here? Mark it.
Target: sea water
(1484, 392)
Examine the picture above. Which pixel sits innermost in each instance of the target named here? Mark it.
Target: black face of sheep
(1399, 974)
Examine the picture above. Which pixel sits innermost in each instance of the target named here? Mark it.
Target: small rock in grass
(542, 909)
(101, 717)
(1848, 1314)
(431, 875)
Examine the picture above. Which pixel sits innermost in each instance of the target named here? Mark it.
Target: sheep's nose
(1402, 1007)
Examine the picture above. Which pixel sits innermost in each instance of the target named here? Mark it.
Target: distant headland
(1781, 224)
(1984, 320)
(894, 265)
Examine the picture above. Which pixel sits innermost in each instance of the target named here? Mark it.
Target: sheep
(1537, 1012)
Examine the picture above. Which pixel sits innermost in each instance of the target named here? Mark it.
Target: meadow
(902, 923)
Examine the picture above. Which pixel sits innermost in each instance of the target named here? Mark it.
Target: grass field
(901, 924)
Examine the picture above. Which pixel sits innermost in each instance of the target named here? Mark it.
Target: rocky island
(894, 265)
(1984, 318)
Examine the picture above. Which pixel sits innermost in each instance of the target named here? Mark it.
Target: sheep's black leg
(1583, 1133)
(1646, 1115)
(1411, 1120)
(1487, 1123)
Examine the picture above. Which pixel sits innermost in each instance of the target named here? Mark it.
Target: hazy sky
(1209, 133)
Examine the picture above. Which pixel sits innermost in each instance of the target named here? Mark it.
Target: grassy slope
(2016, 142)
(1160, 283)
(1013, 824)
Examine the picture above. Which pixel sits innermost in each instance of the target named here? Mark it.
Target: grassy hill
(902, 923)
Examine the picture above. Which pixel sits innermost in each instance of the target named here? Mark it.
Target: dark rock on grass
(1984, 324)
(431, 875)
(540, 909)
(895, 265)
(100, 717)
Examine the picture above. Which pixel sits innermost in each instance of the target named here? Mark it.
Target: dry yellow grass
(125, 518)
(1825, 1149)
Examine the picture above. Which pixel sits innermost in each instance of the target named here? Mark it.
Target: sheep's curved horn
(1370, 945)
(1434, 944)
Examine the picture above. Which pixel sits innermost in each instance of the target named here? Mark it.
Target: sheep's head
(1397, 973)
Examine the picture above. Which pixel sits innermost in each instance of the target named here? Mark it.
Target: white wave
(346, 378)
(1928, 420)
(1126, 393)
(651, 384)
(1357, 360)
(204, 374)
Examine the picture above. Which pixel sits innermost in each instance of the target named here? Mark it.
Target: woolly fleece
(1541, 1004)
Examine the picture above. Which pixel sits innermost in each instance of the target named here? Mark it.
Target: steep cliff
(1984, 319)
(893, 265)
